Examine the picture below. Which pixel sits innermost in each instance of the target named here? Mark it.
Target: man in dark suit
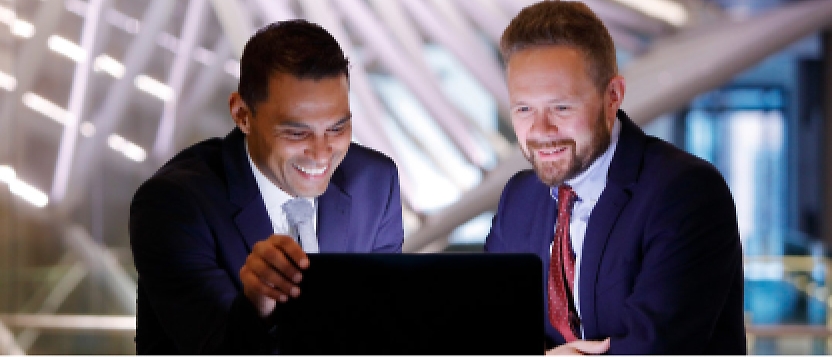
(639, 239)
(214, 238)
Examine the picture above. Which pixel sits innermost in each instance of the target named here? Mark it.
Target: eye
(522, 109)
(562, 108)
(295, 134)
(337, 129)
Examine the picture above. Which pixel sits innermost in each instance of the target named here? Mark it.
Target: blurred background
(95, 95)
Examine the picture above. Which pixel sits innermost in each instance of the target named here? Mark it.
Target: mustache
(534, 144)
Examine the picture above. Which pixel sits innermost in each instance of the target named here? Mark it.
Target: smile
(311, 171)
(551, 152)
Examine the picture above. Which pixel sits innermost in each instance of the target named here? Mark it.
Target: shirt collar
(589, 184)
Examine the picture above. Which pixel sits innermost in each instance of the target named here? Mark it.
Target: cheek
(521, 130)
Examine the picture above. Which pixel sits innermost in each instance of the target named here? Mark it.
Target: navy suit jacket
(661, 271)
(194, 222)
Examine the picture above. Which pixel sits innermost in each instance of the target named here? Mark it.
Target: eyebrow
(299, 125)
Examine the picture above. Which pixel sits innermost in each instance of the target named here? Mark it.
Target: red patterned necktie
(562, 312)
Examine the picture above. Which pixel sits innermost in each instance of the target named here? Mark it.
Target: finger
(592, 347)
(255, 289)
(271, 277)
(277, 259)
(292, 250)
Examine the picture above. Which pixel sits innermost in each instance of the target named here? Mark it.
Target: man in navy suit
(210, 237)
(639, 239)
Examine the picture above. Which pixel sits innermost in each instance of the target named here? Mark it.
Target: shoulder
(362, 163)
(524, 183)
(664, 162)
(192, 170)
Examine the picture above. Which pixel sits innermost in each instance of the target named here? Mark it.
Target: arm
(691, 260)
(184, 282)
(390, 234)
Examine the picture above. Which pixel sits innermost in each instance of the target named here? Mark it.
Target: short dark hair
(566, 23)
(297, 47)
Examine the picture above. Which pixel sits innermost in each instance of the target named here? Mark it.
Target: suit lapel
(604, 216)
(623, 173)
(252, 220)
(333, 217)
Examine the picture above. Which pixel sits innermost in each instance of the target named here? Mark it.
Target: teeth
(311, 171)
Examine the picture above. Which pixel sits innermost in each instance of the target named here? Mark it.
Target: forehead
(547, 59)
(548, 68)
(302, 99)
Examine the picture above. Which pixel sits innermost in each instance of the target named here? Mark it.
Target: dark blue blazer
(661, 271)
(194, 222)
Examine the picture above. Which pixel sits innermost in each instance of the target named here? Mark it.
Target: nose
(543, 124)
(319, 149)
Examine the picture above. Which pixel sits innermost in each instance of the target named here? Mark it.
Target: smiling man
(220, 233)
(639, 239)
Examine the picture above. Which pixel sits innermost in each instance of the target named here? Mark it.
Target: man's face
(300, 133)
(561, 119)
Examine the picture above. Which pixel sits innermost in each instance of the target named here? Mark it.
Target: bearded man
(639, 239)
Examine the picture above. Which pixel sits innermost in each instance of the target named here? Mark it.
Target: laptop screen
(416, 304)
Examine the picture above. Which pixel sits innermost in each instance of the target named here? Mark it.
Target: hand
(581, 347)
(272, 271)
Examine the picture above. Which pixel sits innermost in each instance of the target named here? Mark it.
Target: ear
(614, 96)
(240, 112)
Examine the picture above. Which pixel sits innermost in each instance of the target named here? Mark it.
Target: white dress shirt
(588, 185)
(274, 198)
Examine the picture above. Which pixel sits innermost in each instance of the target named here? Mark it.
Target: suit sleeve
(390, 236)
(691, 260)
(194, 298)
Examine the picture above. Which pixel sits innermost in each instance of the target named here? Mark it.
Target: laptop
(443, 303)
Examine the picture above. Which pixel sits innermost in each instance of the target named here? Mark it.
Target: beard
(554, 173)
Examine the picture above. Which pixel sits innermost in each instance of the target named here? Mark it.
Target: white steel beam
(235, 20)
(102, 323)
(458, 127)
(191, 33)
(78, 97)
(111, 112)
(8, 346)
(202, 90)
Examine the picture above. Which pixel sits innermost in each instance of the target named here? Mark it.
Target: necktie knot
(300, 213)
(566, 197)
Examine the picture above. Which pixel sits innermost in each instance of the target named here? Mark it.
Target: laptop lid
(416, 304)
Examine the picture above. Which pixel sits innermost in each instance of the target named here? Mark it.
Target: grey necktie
(300, 214)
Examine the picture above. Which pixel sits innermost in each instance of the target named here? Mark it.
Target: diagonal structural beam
(661, 81)
(26, 64)
(8, 345)
(391, 13)
(680, 70)
(489, 17)
(275, 10)
(462, 41)
(202, 91)
(64, 286)
(236, 23)
(104, 265)
(114, 105)
(458, 127)
(191, 33)
(78, 97)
